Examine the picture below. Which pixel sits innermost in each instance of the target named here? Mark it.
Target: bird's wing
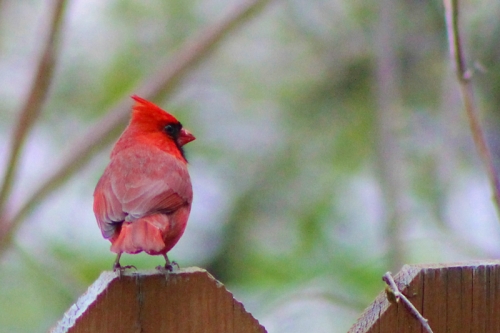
(139, 181)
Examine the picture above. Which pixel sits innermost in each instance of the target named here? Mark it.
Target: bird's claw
(121, 269)
(167, 269)
(170, 266)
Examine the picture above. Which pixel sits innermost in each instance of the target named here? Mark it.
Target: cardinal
(143, 199)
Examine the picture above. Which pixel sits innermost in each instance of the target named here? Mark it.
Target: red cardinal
(143, 199)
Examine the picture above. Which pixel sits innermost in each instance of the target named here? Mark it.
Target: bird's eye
(169, 129)
(172, 130)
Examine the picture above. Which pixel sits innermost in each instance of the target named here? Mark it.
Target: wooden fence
(189, 300)
(454, 298)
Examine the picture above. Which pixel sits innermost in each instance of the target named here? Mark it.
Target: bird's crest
(146, 109)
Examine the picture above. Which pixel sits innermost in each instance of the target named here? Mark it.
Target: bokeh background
(331, 147)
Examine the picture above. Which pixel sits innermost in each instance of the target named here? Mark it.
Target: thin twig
(463, 77)
(106, 129)
(395, 295)
(34, 100)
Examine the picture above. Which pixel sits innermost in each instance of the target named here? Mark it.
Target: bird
(143, 199)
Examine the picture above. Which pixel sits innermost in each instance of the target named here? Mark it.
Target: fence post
(189, 300)
(462, 297)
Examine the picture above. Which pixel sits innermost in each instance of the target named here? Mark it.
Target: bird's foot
(171, 266)
(168, 268)
(164, 270)
(120, 269)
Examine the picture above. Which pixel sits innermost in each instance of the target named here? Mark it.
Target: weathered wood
(462, 297)
(189, 300)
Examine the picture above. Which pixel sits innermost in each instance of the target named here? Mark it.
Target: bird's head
(158, 125)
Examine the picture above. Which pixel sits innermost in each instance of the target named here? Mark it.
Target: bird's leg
(120, 268)
(116, 264)
(169, 266)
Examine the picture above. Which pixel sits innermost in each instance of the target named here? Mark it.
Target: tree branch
(463, 77)
(33, 102)
(159, 84)
(394, 295)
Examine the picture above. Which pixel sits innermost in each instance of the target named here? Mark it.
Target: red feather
(143, 199)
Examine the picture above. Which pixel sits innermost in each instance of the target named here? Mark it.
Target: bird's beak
(184, 137)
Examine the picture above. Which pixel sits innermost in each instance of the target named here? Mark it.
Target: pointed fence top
(459, 297)
(189, 300)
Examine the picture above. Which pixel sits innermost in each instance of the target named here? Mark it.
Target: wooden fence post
(463, 297)
(189, 300)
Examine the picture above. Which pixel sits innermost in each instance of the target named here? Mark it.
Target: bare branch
(394, 295)
(159, 84)
(463, 76)
(454, 40)
(33, 101)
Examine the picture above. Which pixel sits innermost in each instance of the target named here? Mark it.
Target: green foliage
(286, 111)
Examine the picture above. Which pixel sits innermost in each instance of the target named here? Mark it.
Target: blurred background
(331, 146)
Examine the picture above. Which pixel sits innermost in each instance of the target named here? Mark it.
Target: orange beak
(184, 137)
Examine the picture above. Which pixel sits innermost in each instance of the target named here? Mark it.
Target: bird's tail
(144, 234)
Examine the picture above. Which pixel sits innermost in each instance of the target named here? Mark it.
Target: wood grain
(459, 297)
(189, 300)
